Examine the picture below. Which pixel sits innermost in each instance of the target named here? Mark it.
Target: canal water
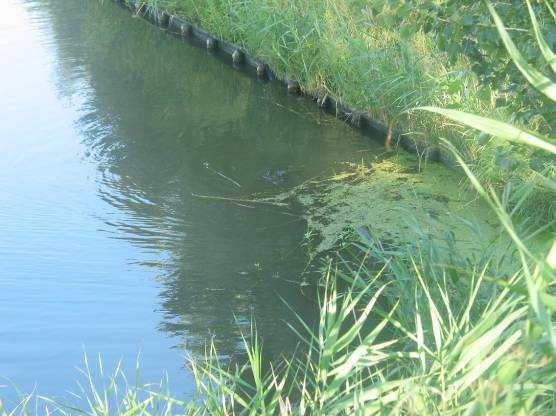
(110, 131)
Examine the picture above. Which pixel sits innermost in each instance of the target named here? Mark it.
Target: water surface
(110, 128)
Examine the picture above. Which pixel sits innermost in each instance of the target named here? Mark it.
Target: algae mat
(399, 201)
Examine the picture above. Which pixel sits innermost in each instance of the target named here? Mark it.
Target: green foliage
(465, 27)
(386, 57)
(470, 347)
(423, 334)
(102, 394)
(541, 279)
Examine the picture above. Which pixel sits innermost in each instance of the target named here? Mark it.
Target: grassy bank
(405, 330)
(386, 58)
(412, 333)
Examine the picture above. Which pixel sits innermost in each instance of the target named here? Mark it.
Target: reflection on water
(111, 129)
(166, 122)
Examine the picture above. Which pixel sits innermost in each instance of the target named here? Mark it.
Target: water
(109, 129)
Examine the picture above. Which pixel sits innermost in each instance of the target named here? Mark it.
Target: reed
(412, 331)
(471, 345)
(472, 341)
(387, 58)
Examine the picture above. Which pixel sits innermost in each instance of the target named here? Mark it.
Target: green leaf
(508, 371)
(545, 49)
(537, 79)
(551, 258)
(469, 378)
(494, 128)
(550, 9)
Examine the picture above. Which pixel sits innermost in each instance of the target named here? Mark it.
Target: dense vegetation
(411, 330)
(388, 57)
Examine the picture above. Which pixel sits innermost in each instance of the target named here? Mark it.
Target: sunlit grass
(404, 332)
(471, 345)
(338, 48)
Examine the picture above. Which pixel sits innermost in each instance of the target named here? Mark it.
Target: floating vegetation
(397, 200)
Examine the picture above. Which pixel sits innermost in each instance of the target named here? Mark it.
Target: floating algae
(399, 204)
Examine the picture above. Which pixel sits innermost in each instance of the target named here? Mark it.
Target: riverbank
(408, 325)
(386, 60)
(409, 333)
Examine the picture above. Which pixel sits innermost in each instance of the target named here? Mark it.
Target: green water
(109, 128)
(129, 159)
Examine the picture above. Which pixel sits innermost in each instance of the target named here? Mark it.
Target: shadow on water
(118, 127)
(163, 121)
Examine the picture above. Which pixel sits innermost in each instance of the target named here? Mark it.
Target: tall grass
(471, 342)
(100, 393)
(452, 356)
(415, 333)
(382, 58)
(474, 345)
